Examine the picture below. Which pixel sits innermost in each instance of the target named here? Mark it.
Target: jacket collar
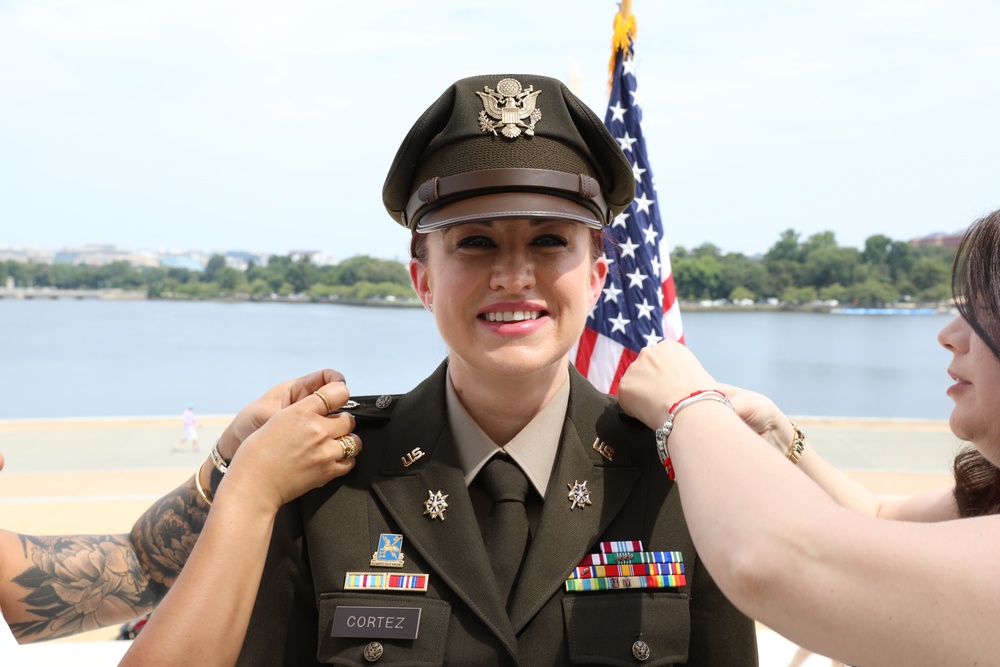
(453, 547)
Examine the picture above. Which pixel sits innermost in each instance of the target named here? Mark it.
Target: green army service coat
(335, 530)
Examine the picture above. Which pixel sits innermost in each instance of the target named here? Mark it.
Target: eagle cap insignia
(511, 105)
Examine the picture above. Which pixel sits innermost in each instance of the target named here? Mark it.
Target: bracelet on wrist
(221, 464)
(798, 444)
(663, 432)
(197, 484)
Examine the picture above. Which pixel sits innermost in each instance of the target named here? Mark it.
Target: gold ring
(349, 445)
(325, 402)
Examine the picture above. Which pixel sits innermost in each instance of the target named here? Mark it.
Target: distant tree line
(359, 277)
(799, 272)
(792, 271)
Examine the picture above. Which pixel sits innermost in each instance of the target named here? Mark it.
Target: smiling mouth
(512, 316)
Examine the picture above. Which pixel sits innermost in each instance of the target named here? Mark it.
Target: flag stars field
(611, 341)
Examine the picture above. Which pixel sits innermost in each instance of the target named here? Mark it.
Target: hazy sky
(269, 126)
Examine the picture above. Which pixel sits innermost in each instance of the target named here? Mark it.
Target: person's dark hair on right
(975, 284)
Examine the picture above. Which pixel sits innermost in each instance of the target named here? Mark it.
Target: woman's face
(976, 392)
(510, 297)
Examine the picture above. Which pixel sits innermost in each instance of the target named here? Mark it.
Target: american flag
(638, 306)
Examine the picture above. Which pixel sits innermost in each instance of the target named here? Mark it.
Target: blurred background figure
(191, 425)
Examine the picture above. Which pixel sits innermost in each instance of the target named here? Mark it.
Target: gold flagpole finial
(621, 39)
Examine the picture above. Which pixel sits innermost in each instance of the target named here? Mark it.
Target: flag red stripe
(585, 350)
(669, 293)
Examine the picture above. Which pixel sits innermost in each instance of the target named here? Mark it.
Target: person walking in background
(814, 555)
(191, 424)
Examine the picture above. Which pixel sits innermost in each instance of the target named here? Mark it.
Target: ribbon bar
(623, 583)
(382, 581)
(638, 570)
(632, 558)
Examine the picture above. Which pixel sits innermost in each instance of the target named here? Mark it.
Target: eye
(475, 241)
(553, 240)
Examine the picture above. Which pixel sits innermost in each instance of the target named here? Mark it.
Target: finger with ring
(350, 446)
(325, 402)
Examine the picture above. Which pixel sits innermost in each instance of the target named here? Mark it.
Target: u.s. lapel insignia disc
(578, 494)
(390, 551)
(511, 105)
(435, 505)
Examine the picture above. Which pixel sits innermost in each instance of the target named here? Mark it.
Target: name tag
(376, 622)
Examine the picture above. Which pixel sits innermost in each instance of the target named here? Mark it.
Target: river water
(91, 358)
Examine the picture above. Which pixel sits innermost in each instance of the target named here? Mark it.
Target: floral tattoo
(83, 582)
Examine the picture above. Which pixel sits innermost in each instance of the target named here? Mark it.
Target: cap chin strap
(440, 190)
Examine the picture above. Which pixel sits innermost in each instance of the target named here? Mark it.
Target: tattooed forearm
(79, 583)
(165, 535)
(84, 582)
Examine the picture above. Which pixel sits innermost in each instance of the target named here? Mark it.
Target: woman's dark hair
(418, 245)
(975, 284)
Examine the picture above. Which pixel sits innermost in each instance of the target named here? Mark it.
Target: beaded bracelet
(663, 432)
(798, 444)
(197, 484)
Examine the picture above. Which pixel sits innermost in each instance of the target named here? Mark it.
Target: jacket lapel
(564, 536)
(453, 547)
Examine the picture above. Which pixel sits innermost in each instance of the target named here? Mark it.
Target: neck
(503, 406)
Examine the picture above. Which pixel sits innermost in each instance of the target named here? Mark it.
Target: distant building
(102, 255)
(24, 255)
(315, 257)
(189, 261)
(939, 239)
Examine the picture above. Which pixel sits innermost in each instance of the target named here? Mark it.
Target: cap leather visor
(505, 206)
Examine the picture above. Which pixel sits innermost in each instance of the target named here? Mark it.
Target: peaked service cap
(507, 146)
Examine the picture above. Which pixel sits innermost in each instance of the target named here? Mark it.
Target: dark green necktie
(505, 531)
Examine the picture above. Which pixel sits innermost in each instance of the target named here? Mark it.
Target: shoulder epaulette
(372, 407)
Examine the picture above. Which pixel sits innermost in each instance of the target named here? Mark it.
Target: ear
(421, 282)
(597, 277)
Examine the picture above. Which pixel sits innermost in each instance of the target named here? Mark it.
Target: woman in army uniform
(504, 512)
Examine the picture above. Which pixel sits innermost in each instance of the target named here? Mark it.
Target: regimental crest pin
(512, 106)
(435, 505)
(390, 551)
(578, 494)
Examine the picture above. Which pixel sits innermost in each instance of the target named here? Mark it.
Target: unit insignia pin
(435, 505)
(350, 405)
(511, 105)
(578, 494)
(390, 551)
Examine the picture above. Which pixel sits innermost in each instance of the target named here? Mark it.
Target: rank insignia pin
(435, 505)
(390, 551)
(578, 494)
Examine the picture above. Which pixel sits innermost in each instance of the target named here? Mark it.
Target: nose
(513, 272)
(954, 337)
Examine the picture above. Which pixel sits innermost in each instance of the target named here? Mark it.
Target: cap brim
(505, 206)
